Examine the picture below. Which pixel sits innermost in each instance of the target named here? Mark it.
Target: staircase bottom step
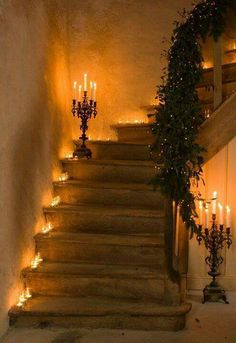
(99, 312)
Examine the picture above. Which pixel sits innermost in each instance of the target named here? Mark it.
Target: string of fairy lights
(179, 114)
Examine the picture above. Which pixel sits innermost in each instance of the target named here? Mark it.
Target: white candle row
(214, 210)
(77, 90)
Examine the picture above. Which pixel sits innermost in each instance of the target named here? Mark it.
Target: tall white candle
(200, 213)
(207, 218)
(221, 220)
(74, 89)
(228, 217)
(214, 203)
(80, 92)
(85, 82)
(91, 90)
(94, 91)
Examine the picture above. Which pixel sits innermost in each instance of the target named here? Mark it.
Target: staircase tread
(107, 210)
(106, 185)
(104, 239)
(129, 125)
(136, 163)
(117, 143)
(51, 269)
(97, 306)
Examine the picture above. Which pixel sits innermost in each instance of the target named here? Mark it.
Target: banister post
(218, 89)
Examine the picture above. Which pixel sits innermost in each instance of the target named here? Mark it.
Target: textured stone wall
(35, 127)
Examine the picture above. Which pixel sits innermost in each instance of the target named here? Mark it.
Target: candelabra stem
(82, 150)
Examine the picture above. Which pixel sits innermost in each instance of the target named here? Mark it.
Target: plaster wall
(35, 128)
(119, 44)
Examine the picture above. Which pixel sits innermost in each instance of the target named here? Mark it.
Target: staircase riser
(135, 134)
(100, 223)
(101, 254)
(117, 173)
(110, 321)
(70, 194)
(81, 286)
(120, 152)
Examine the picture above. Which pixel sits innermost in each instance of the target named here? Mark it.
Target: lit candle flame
(36, 261)
(46, 228)
(28, 295)
(69, 155)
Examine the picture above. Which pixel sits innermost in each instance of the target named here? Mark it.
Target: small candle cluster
(63, 177)
(79, 89)
(36, 261)
(69, 155)
(25, 295)
(55, 201)
(47, 228)
(214, 211)
(207, 113)
(131, 122)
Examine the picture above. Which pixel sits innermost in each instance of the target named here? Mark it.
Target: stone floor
(207, 323)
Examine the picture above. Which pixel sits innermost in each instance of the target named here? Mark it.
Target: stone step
(99, 312)
(134, 133)
(69, 279)
(110, 171)
(101, 248)
(106, 219)
(113, 150)
(105, 193)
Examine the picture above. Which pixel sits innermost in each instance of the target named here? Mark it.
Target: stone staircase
(104, 264)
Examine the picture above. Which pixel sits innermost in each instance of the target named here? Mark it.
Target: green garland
(179, 116)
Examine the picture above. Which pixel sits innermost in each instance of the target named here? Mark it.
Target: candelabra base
(81, 152)
(214, 293)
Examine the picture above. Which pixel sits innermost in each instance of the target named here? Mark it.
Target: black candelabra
(84, 110)
(214, 240)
